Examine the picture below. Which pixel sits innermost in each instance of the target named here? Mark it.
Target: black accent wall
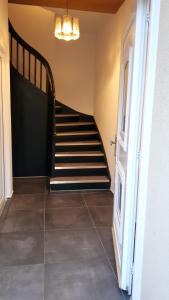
(30, 114)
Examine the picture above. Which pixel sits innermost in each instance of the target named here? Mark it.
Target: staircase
(73, 153)
(79, 160)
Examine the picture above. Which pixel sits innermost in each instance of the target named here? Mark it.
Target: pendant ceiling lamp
(67, 27)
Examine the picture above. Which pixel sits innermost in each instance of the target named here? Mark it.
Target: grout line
(104, 250)
(70, 229)
(52, 208)
(65, 207)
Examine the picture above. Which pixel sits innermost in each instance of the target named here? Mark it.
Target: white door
(2, 192)
(122, 231)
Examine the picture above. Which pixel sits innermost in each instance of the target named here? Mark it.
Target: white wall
(108, 47)
(72, 63)
(4, 53)
(155, 277)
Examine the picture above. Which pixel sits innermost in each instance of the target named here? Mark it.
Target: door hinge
(138, 155)
(148, 17)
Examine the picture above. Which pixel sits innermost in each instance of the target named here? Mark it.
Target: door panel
(122, 179)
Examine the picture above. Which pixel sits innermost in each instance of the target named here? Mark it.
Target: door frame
(2, 172)
(148, 84)
(137, 106)
(6, 112)
(144, 72)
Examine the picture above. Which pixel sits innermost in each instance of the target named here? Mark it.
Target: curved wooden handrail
(35, 53)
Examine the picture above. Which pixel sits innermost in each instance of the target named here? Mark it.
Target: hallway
(57, 247)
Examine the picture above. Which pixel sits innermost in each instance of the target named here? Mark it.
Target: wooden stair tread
(79, 153)
(89, 132)
(78, 179)
(97, 165)
(78, 143)
(74, 124)
(66, 115)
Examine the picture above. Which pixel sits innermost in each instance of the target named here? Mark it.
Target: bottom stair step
(79, 179)
(79, 183)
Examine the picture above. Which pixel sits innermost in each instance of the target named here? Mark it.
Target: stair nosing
(75, 166)
(73, 124)
(66, 115)
(69, 133)
(76, 153)
(79, 179)
(78, 143)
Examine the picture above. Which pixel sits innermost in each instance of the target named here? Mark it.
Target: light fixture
(67, 27)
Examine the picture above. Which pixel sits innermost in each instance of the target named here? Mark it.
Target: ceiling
(90, 22)
(103, 6)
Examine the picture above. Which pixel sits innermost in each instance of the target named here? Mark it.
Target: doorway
(132, 84)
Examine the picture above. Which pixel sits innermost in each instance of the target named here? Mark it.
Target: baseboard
(2, 205)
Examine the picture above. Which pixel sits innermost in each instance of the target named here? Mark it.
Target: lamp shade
(67, 28)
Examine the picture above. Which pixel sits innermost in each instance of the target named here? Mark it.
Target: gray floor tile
(30, 186)
(69, 245)
(21, 248)
(22, 283)
(64, 200)
(89, 280)
(107, 240)
(102, 216)
(76, 217)
(21, 221)
(27, 202)
(5, 212)
(101, 198)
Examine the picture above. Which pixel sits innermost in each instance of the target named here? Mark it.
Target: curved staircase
(79, 158)
(73, 153)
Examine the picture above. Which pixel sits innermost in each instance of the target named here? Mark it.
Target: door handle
(114, 143)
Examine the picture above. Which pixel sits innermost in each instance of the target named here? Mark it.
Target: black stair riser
(75, 128)
(79, 159)
(80, 186)
(76, 138)
(80, 172)
(66, 119)
(58, 110)
(81, 117)
(77, 148)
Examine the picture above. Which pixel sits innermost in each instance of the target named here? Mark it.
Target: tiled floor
(57, 247)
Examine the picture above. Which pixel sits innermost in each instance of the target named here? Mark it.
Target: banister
(35, 53)
(48, 88)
